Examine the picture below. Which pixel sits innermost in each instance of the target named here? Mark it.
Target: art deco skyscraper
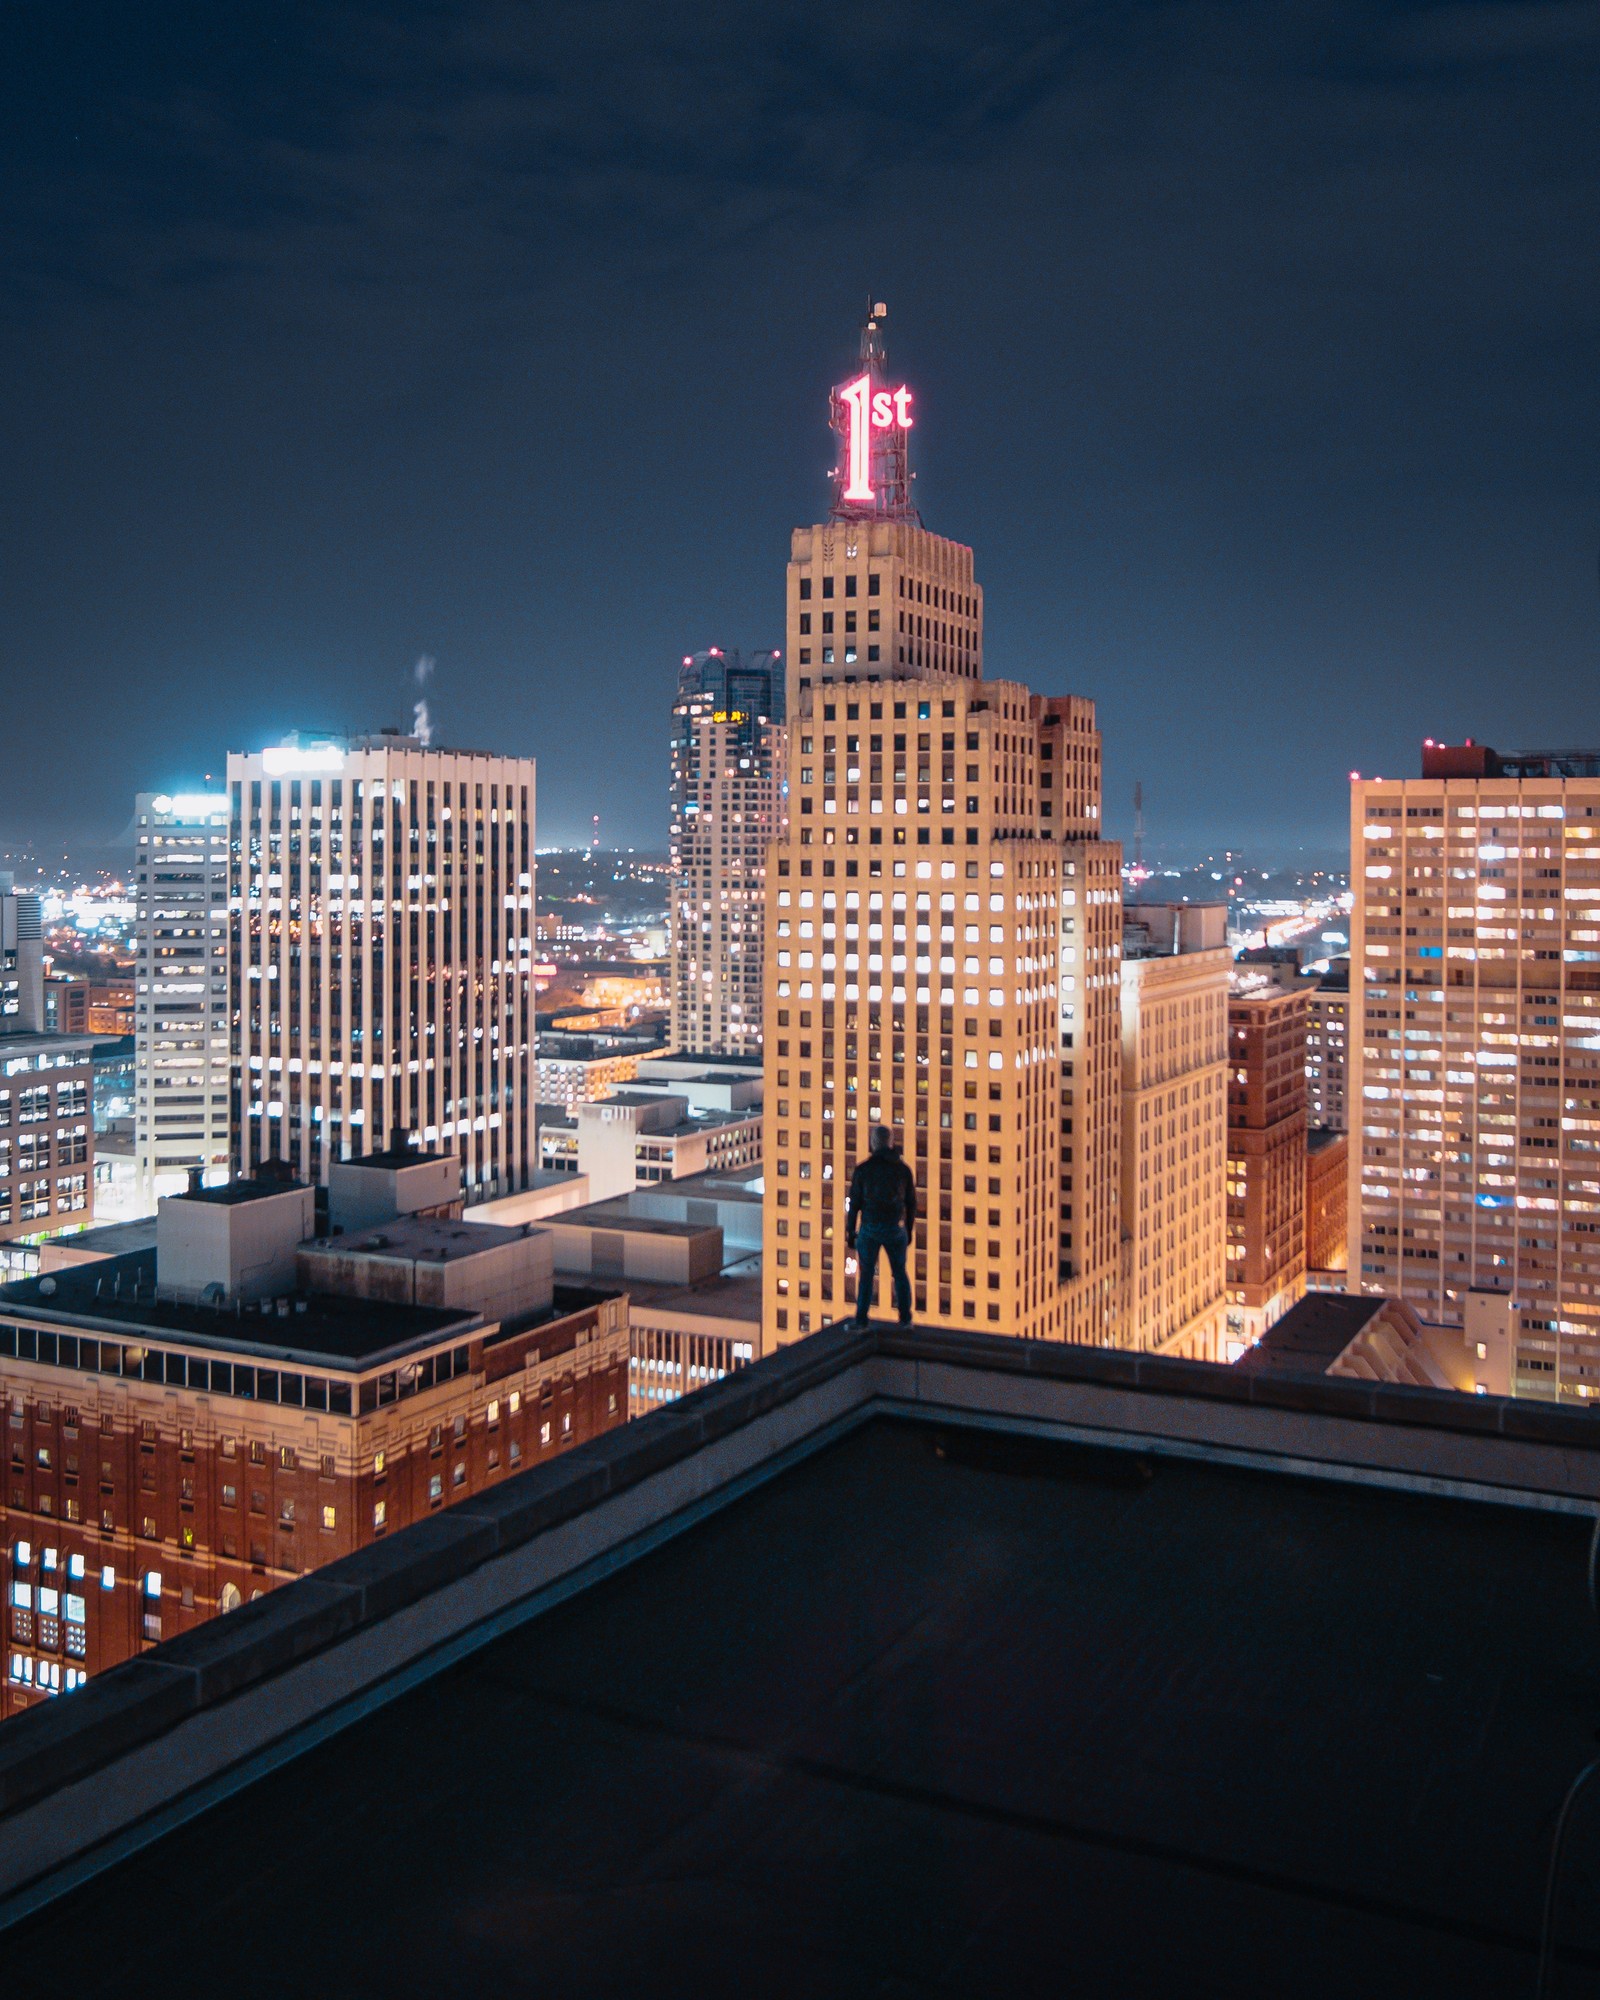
(381, 952)
(180, 888)
(725, 742)
(915, 913)
(1474, 1071)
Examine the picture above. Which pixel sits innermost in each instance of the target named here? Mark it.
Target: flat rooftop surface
(1312, 1334)
(420, 1238)
(617, 1215)
(1021, 1718)
(332, 1331)
(733, 1294)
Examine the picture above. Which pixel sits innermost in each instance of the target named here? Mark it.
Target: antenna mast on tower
(873, 421)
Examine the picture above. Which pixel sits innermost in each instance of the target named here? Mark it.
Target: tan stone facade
(1091, 1090)
(1174, 1152)
(913, 920)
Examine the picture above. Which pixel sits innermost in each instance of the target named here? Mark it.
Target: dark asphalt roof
(1312, 1334)
(320, 1329)
(1020, 1719)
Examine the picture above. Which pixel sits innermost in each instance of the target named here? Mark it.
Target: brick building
(1327, 1208)
(190, 1427)
(1266, 1158)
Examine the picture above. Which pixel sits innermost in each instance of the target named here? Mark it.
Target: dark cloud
(1255, 347)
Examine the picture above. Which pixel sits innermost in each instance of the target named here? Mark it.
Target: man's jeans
(893, 1243)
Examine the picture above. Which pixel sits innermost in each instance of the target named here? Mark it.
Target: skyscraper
(1328, 1048)
(180, 887)
(381, 952)
(1474, 1082)
(725, 736)
(1174, 1110)
(914, 908)
(46, 1092)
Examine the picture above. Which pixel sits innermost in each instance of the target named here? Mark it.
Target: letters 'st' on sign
(880, 410)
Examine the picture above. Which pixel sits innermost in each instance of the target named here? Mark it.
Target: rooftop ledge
(92, 1776)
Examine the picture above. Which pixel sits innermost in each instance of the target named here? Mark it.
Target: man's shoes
(861, 1319)
(907, 1320)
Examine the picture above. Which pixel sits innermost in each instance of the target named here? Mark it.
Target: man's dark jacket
(882, 1195)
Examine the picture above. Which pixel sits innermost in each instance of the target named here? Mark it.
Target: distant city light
(290, 760)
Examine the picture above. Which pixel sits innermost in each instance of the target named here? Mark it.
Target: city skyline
(260, 515)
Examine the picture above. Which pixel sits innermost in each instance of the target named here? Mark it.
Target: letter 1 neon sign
(870, 410)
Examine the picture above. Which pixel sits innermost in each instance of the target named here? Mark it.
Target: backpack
(881, 1182)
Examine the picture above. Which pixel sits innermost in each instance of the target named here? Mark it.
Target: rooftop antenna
(1138, 823)
(872, 419)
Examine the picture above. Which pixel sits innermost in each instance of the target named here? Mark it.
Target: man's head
(882, 1139)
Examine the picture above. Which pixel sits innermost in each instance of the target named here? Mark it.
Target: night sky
(1254, 349)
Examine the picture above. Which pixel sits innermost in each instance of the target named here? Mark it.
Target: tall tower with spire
(934, 938)
(872, 594)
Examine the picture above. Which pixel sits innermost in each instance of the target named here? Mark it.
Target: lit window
(544, 1434)
(436, 1489)
(328, 1517)
(24, 1554)
(514, 1401)
(494, 1413)
(48, 1559)
(152, 1583)
(75, 1568)
(380, 1514)
(379, 1459)
(108, 1578)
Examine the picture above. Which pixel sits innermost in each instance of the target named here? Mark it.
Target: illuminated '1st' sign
(870, 410)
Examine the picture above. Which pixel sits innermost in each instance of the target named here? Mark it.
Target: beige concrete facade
(1174, 1152)
(880, 598)
(1475, 1057)
(913, 920)
(1091, 1090)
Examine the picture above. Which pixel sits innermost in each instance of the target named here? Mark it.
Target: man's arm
(911, 1199)
(851, 1207)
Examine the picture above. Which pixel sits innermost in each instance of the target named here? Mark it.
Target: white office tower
(381, 918)
(180, 888)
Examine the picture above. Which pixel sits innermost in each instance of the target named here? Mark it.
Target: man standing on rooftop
(880, 1214)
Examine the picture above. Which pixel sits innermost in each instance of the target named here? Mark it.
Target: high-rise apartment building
(1475, 1048)
(46, 1094)
(914, 913)
(726, 732)
(1328, 1048)
(181, 1014)
(381, 955)
(1174, 1126)
(1266, 1158)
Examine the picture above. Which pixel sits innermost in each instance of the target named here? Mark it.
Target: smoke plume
(421, 720)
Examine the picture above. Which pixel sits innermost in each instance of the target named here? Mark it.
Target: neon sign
(870, 410)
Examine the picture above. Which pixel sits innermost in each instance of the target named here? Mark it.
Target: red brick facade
(147, 1506)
